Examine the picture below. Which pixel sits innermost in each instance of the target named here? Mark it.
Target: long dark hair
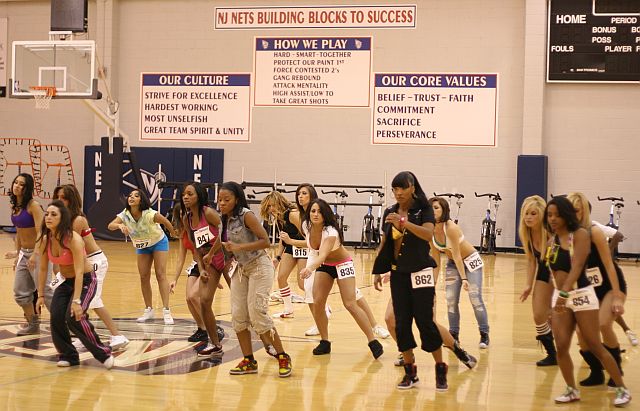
(406, 179)
(313, 194)
(71, 194)
(64, 229)
(201, 193)
(144, 201)
(566, 212)
(27, 196)
(327, 215)
(444, 205)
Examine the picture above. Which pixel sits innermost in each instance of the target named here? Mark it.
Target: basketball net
(43, 96)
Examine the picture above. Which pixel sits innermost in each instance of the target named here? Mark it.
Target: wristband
(278, 257)
(40, 296)
(465, 279)
(563, 294)
(402, 221)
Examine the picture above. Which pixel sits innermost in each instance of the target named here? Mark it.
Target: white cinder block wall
(588, 131)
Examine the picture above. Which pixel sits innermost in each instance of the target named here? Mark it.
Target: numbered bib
(202, 236)
(423, 278)
(473, 262)
(346, 270)
(582, 299)
(300, 252)
(56, 281)
(139, 244)
(594, 276)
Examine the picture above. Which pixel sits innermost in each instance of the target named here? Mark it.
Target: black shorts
(543, 274)
(193, 270)
(602, 290)
(329, 269)
(288, 249)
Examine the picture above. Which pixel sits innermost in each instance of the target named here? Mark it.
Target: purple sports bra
(23, 219)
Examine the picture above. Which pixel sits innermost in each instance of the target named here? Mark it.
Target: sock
(285, 293)
(542, 329)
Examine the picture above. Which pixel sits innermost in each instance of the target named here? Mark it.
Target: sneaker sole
(442, 389)
(282, 315)
(284, 375)
(567, 402)
(413, 384)
(214, 354)
(242, 372)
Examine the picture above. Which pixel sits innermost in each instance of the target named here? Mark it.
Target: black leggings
(414, 303)
(62, 320)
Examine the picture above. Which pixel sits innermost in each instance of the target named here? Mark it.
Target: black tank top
(559, 259)
(543, 270)
(290, 228)
(595, 260)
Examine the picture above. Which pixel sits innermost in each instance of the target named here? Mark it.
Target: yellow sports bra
(395, 233)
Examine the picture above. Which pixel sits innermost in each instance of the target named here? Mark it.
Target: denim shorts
(162, 245)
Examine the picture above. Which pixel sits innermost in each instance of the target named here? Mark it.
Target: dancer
(26, 216)
(252, 280)
(607, 279)
(533, 237)
(203, 225)
(463, 269)
(71, 199)
(305, 193)
(330, 261)
(142, 224)
(64, 247)
(408, 227)
(288, 256)
(567, 258)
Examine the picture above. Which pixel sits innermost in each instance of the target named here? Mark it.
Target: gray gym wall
(588, 130)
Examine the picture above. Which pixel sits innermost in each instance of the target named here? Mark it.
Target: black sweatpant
(62, 320)
(414, 303)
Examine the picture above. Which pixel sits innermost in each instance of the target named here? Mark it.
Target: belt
(394, 267)
(95, 253)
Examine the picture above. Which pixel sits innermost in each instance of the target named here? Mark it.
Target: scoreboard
(593, 41)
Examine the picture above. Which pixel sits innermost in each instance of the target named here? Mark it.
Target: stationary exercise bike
(488, 231)
(370, 237)
(343, 199)
(458, 197)
(617, 204)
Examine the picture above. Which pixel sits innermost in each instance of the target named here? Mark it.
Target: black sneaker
(410, 377)
(467, 359)
(199, 335)
(455, 336)
(484, 340)
(441, 377)
(376, 348)
(323, 348)
(220, 331)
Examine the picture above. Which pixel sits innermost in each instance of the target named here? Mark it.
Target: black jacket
(414, 252)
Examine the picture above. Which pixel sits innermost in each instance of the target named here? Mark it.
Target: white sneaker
(63, 363)
(283, 314)
(275, 296)
(633, 338)
(166, 314)
(298, 299)
(146, 316)
(118, 342)
(381, 332)
(312, 331)
(623, 396)
(570, 395)
(108, 363)
(77, 343)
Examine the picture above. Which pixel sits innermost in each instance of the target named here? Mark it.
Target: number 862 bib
(423, 278)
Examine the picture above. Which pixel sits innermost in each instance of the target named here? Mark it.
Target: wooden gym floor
(159, 369)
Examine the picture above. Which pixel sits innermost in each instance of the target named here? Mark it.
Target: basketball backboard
(69, 66)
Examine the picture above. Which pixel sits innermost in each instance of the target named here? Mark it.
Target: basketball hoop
(43, 95)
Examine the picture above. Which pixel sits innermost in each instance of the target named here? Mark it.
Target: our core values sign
(313, 71)
(195, 106)
(435, 109)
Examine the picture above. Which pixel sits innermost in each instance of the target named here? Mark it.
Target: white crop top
(445, 246)
(327, 232)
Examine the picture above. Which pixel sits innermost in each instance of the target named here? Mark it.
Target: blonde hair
(280, 205)
(579, 199)
(533, 202)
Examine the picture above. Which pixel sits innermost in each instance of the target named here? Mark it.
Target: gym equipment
(488, 231)
(343, 199)
(370, 237)
(617, 204)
